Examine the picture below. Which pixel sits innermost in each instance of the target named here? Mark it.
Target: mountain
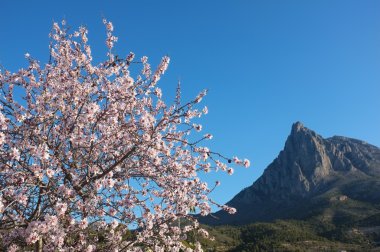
(335, 179)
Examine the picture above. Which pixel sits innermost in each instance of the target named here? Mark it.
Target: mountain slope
(337, 178)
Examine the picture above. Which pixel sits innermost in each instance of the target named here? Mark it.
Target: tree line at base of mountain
(291, 235)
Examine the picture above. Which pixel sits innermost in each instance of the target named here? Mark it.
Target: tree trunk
(38, 247)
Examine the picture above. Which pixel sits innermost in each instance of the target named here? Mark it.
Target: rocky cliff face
(309, 166)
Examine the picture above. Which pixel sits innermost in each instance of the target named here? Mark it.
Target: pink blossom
(114, 224)
(51, 220)
(23, 199)
(61, 208)
(15, 154)
(231, 210)
(92, 146)
(197, 127)
(198, 247)
(200, 96)
(205, 110)
(203, 233)
(32, 238)
(246, 163)
(208, 136)
(90, 248)
(13, 248)
(3, 122)
(112, 212)
(237, 160)
(49, 173)
(83, 223)
(230, 171)
(2, 138)
(1, 206)
(110, 183)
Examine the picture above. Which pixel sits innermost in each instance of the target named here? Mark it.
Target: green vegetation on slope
(289, 235)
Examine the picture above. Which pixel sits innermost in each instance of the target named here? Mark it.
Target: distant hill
(330, 188)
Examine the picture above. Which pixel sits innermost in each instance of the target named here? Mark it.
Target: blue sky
(266, 64)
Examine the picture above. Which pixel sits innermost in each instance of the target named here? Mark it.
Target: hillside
(310, 172)
(319, 192)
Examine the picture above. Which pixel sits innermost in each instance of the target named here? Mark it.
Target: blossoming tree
(93, 159)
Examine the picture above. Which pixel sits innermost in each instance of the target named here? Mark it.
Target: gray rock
(308, 167)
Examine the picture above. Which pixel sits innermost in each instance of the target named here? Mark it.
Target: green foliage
(274, 236)
(288, 235)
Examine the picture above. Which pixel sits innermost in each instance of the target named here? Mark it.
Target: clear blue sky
(266, 63)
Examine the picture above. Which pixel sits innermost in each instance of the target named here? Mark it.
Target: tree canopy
(92, 158)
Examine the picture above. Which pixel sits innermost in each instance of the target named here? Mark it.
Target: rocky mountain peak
(298, 127)
(308, 166)
(300, 135)
(304, 159)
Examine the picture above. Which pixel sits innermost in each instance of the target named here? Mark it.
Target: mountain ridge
(307, 174)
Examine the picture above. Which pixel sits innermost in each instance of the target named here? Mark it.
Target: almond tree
(93, 159)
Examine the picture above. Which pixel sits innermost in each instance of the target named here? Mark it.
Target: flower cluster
(94, 159)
